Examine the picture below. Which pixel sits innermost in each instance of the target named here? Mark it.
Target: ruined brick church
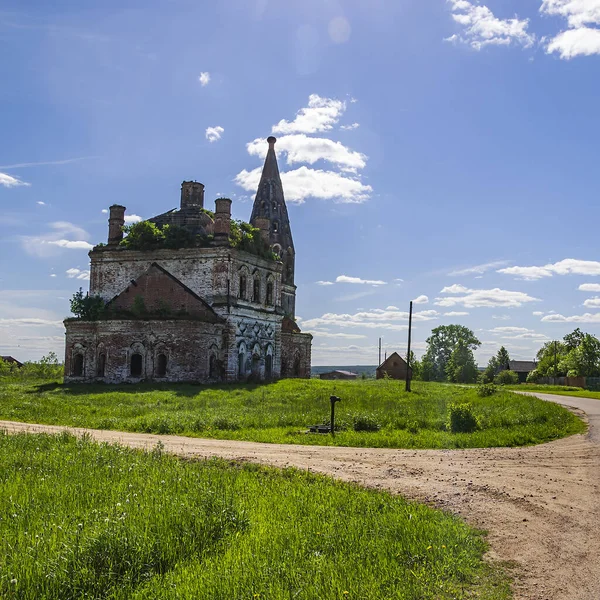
(208, 313)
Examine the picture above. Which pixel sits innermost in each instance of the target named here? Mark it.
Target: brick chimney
(192, 194)
(222, 227)
(116, 221)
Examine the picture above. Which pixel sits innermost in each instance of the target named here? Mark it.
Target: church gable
(158, 293)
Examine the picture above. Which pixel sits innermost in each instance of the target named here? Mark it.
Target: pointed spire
(269, 204)
(269, 214)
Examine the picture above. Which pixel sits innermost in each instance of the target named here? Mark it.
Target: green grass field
(372, 413)
(82, 520)
(560, 390)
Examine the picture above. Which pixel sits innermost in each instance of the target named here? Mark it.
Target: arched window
(242, 360)
(275, 226)
(269, 363)
(212, 366)
(161, 365)
(242, 290)
(256, 290)
(297, 366)
(101, 364)
(136, 365)
(78, 365)
(269, 299)
(274, 205)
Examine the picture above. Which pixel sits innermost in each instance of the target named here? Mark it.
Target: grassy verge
(81, 520)
(559, 390)
(371, 414)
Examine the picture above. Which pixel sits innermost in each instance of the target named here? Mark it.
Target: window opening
(78, 365)
(269, 292)
(242, 292)
(256, 290)
(161, 365)
(101, 364)
(136, 365)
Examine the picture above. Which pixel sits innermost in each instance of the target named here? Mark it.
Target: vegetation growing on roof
(244, 236)
(146, 236)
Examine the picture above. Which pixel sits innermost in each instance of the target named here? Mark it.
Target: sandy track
(540, 505)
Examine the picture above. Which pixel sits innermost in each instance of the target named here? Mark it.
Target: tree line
(449, 357)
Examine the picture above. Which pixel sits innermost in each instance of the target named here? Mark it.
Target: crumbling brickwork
(211, 313)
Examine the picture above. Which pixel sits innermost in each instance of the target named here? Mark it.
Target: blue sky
(440, 151)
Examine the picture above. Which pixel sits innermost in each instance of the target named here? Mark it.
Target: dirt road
(540, 505)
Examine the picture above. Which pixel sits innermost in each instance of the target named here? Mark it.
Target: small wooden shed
(394, 366)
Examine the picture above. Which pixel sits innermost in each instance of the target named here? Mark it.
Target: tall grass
(372, 413)
(81, 520)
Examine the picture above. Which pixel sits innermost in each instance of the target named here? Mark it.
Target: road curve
(540, 505)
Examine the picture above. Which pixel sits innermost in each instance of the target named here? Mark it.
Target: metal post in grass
(408, 353)
(333, 400)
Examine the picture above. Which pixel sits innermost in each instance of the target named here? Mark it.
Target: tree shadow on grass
(179, 389)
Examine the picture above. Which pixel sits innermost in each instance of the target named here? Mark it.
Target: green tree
(88, 308)
(502, 358)
(415, 365)
(574, 339)
(583, 360)
(461, 367)
(550, 359)
(440, 345)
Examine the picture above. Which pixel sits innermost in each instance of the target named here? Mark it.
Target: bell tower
(270, 215)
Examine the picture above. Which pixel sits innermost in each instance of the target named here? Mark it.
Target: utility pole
(379, 364)
(555, 366)
(408, 352)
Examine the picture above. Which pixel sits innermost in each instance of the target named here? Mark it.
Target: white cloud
(510, 330)
(455, 313)
(537, 313)
(321, 114)
(9, 181)
(568, 266)
(421, 300)
(204, 78)
(30, 321)
(371, 319)
(577, 12)
(325, 283)
(589, 287)
(62, 234)
(301, 148)
(41, 203)
(350, 127)
(583, 41)
(342, 184)
(579, 39)
(326, 334)
(592, 303)
(304, 183)
(130, 219)
(104, 211)
(72, 245)
(78, 274)
(470, 298)
(478, 269)
(213, 134)
(585, 318)
(358, 280)
(392, 308)
(482, 28)
(501, 317)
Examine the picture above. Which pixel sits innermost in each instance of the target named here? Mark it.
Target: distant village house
(12, 361)
(343, 375)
